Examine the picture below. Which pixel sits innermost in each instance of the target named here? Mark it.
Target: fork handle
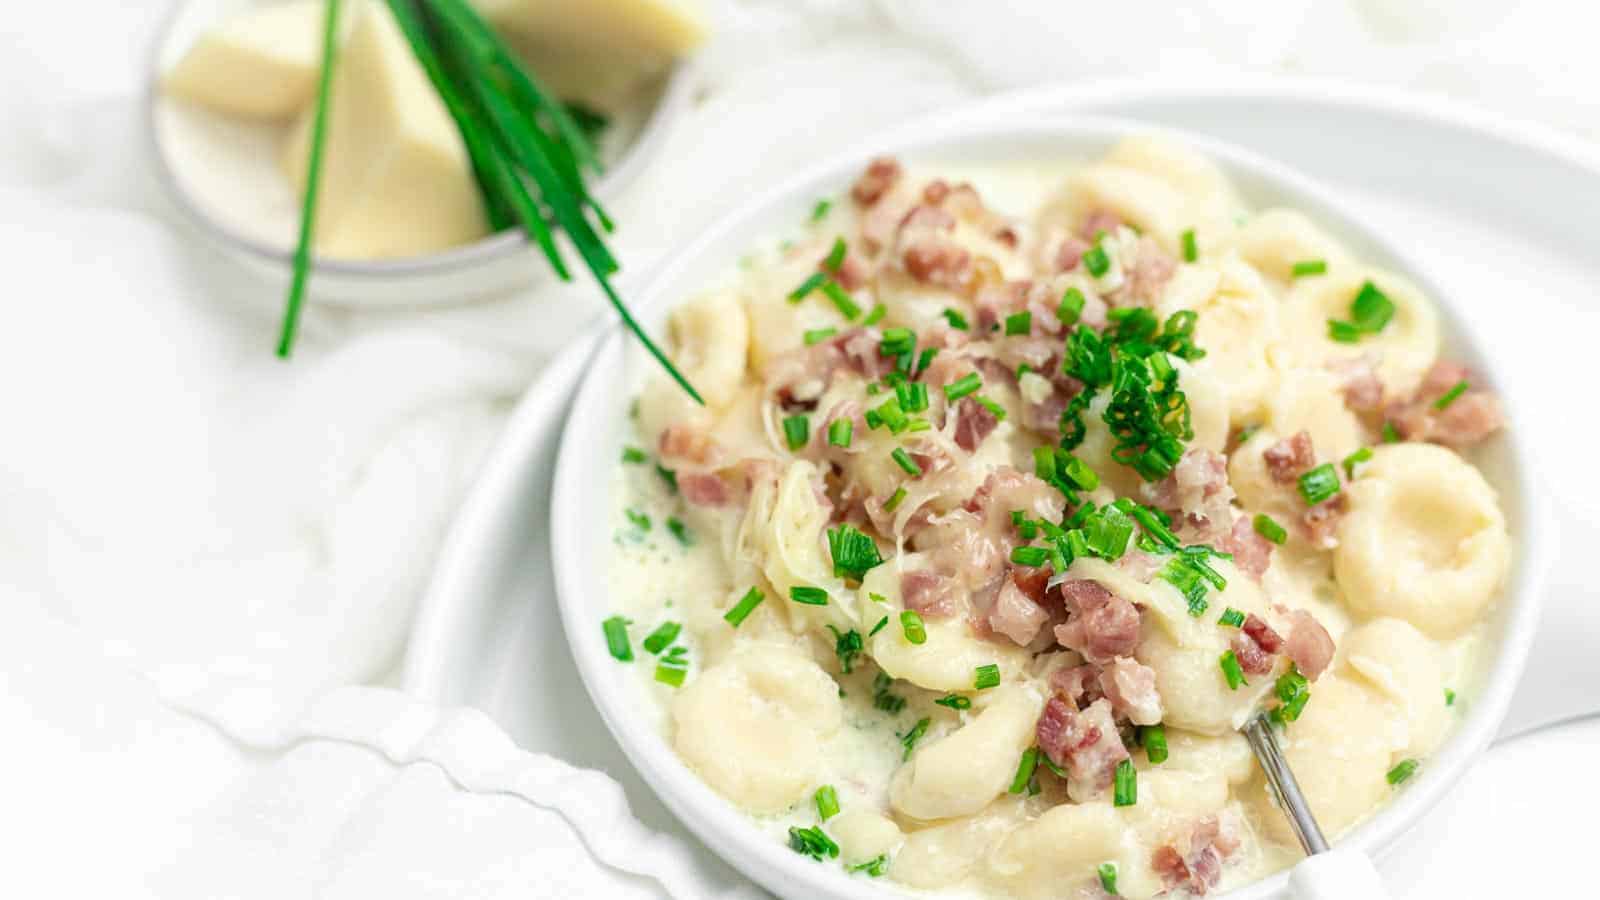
(1337, 875)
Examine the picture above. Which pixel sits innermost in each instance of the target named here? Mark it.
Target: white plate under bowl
(223, 173)
(1518, 255)
(598, 428)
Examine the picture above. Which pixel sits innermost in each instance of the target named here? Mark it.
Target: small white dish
(597, 425)
(223, 174)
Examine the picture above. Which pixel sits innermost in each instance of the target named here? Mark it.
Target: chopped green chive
(961, 387)
(1292, 690)
(1154, 739)
(1319, 484)
(905, 462)
(818, 335)
(847, 645)
(913, 396)
(1025, 767)
(840, 431)
(1268, 527)
(1072, 303)
(911, 625)
(956, 320)
(1108, 870)
(680, 531)
(812, 842)
(925, 358)
(874, 867)
(909, 741)
(1404, 769)
(814, 281)
(853, 552)
(1019, 323)
(1449, 697)
(1308, 267)
(810, 596)
(827, 802)
(875, 315)
(616, 629)
(882, 699)
(955, 701)
(1096, 261)
(882, 624)
(1033, 557)
(836, 255)
(1343, 332)
(634, 456)
(1390, 434)
(995, 409)
(1371, 310)
(639, 519)
(820, 211)
(897, 341)
(746, 605)
(1232, 618)
(841, 300)
(1355, 459)
(669, 476)
(1232, 671)
(985, 677)
(1191, 250)
(662, 637)
(1125, 786)
(796, 431)
(894, 500)
(876, 597)
(671, 674)
(1450, 396)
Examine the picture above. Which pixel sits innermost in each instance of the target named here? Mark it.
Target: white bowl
(597, 426)
(223, 174)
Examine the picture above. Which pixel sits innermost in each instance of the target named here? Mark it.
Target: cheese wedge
(260, 65)
(396, 178)
(627, 29)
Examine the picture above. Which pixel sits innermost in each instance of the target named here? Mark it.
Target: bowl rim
(681, 81)
(727, 830)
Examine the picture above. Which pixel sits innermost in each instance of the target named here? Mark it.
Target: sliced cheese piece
(260, 65)
(624, 28)
(396, 178)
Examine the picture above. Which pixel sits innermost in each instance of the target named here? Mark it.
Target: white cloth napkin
(207, 551)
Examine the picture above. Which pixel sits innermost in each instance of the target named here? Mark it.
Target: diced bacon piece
(1085, 743)
(935, 191)
(686, 445)
(1006, 235)
(1289, 458)
(993, 303)
(801, 375)
(924, 217)
(1100, 625)
(961, 544)
(702, 489)
(879, 224)
(1252, 553)
(852, 273)
(1200, 869)
(928, 594)
(1309, 646)
(859, 347)
(1015, 615)
(1255, 645)
(1363, 391)
(1007, 489)
(1033, 583)
(1131, 688)
(1149, 274)
(880, 176)
(1467, 420)
(1321, 522)
(964, 202)
(1097, 221)
(1070, 252)
(1197, 495)
(974, 422)
(1079, 684)
(930, 458)
(937, 262)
